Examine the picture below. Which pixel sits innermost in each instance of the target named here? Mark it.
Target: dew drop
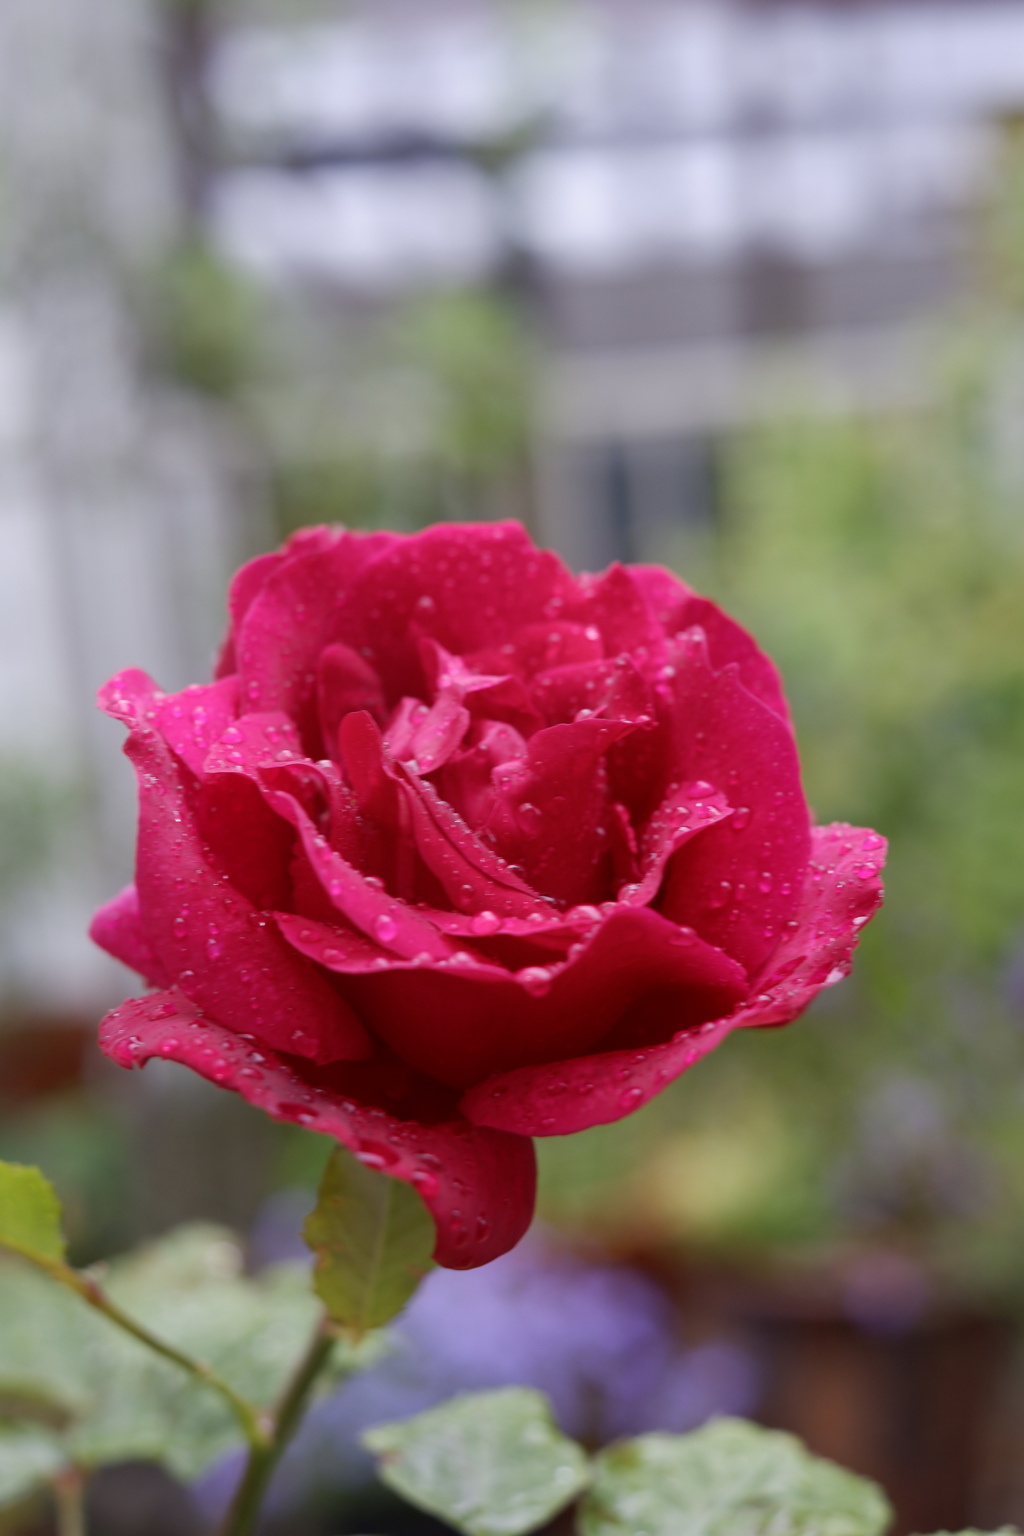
(486, 922)
(630, 1098)
(530, 819)
(385, 928)
(740, 818)
(535, 979)
(720, 895)
(765, 882)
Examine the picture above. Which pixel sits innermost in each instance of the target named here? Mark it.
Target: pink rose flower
(460, 849)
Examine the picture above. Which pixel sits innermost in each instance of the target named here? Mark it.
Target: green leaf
(728, 1479)
(119, 1401)
(30, 1215)
(373, 1239)
(29, 1458)
(490, 1463)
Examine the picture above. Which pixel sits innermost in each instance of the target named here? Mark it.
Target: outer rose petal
(739, 883)
(117, 928)
(192, 720)
(246, 586)
(212, 940)
(728, 642)
(841, 890)
(462, 1020)
(617, 605)
(676, 608)
(478, 1184)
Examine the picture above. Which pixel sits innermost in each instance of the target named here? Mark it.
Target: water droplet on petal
(486, 922)
(535, 979)
(720, 895)
(740, 818)
(385, 928)
(630, 1098)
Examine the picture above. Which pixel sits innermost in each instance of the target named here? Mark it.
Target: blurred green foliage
(34, 814)
(450, 376)
(881, 562)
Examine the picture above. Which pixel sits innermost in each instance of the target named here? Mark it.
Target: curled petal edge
(842, 890)
(479, 1184)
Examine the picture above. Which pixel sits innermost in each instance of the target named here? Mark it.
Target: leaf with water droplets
(490, 1463)
(728, 1479)
(30, 1215)
(373, 1239)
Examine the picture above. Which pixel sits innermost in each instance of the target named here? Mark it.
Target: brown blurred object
(872, 1366)
(42, 1057)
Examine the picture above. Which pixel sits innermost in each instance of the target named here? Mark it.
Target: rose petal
(212, 940)
(396, 926)
(478, 1184)
(192, 720)
(665, 594)
(346, 682)
(487, 694)
(427, 738)
(473, 876)
(841, 890)
(254, 741)
(739, 883)
(617, 606)
(541, 647)
(465, 1019)
(131, 696)
(727, 643)
(686, 810)
(465, 781)
(468, 587)
(550, 809)
(246, 585)
(117, 928)
(613, 688)
(294, 618)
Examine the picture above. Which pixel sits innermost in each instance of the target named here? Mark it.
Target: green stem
(245, 1506)
(86, 1286)
(69, 1496)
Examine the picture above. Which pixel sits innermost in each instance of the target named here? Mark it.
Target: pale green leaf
(30, 1214)
(123, 1402)
(491, 1463)
(373, 1239)
(730, 1478)
(29, 1458)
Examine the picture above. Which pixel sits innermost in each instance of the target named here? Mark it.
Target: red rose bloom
(461, 849)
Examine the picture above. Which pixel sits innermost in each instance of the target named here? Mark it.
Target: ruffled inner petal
(295, 617)
(552, 807)
(420, 590)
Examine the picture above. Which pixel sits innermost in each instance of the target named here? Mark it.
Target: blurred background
(738, 287)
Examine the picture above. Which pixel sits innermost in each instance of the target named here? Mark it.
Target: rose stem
(69, 1496)
(89, 1289)
(284, 1421)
